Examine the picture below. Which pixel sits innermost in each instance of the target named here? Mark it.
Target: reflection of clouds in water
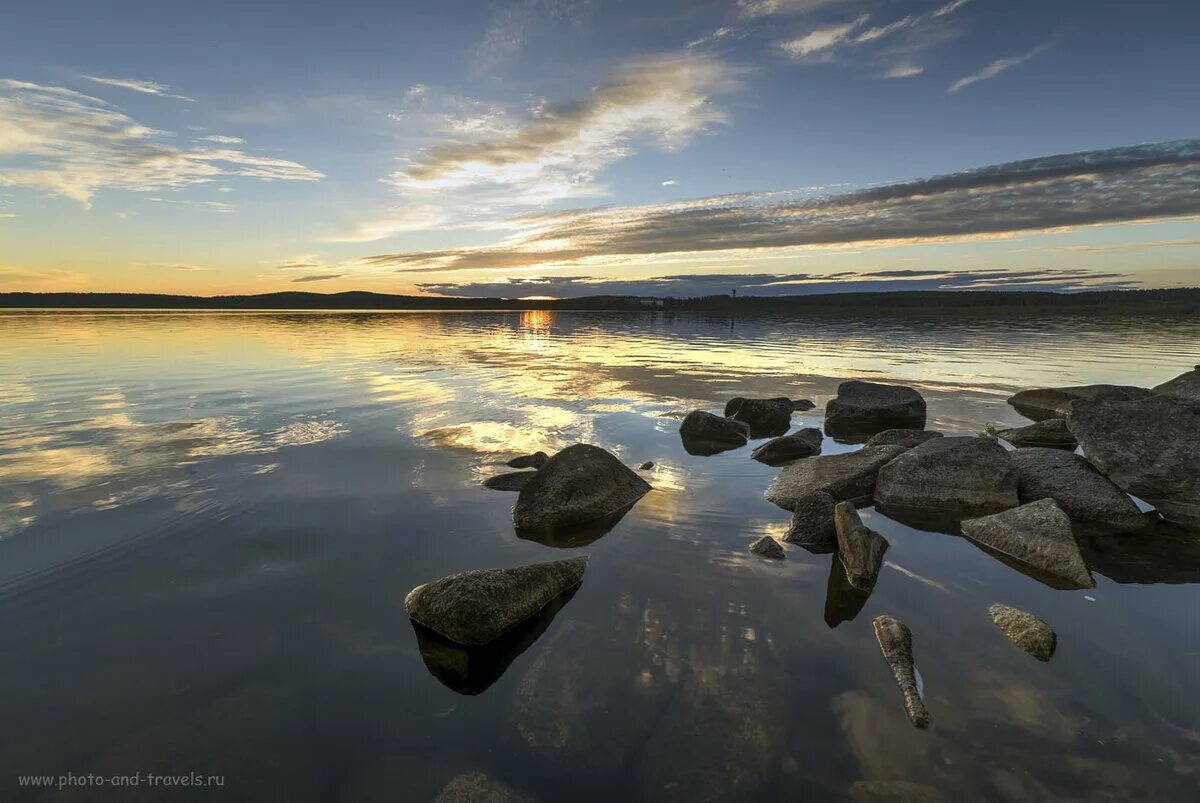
(526, 428)
(16, 511)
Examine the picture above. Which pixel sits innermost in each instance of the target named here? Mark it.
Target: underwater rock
(812, 523)
(582, 483)
(475, 787)
(1037, 534)
(860, 548)
(895, 640)
(1051, 432)
(703, 433)
(511, 481)
(1088, 498)
(1025, 630)
(1042, 403)
(535, 460)
(768, 547)
(649, 464)
(954, 476)
(766, 417)
(1185, 387)
(869, 407)
(850, 475)
(802, 443)
(477, 607)
(908, 438)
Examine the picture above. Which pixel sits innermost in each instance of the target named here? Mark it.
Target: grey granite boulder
(1149, 447)
(766, 417)
(1025, 630)
(535, 460)
(581, 483)
(1185, 386)
(1037, 534)
(475, 787)
(812, 523)
(801, 443)
(860, 548)
(1050, 432)
(1089, 499)
(477, 607)
(704, 433)
(895, 641)
(1042, 403)
(801, 405)
(850, 475)
(511, 481)
(957, 477)
(908, 438)
(865, 408)
(768, 547)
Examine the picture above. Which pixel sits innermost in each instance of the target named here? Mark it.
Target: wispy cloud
(950, 8)
(996, 67)
(221, 139)
(1110, 248)
(915, 33)
(904, 71)
(413, 217)
(317, 277)
(766, 8)
(136, 85)
(513, 24)
(75, 145)
(670, 182)
(822, 39)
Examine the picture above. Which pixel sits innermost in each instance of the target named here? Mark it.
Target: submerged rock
(766, 417)
(475, 787)
(894, 792)
(1185, 387)
(1037, 534)
(1150, 448)
(954, 476)
(1048, 432)
(1025, 630)
(535, 460)
(477, 607)
(859, 547)
(768, 547)
(1042, 403)
(706, 434)
(1084, 494)
(895, 640)
(812, 523)
(868, 407)
(512, 481)
(850, 475)
(908, 438)
(802, 443)
(582, 483)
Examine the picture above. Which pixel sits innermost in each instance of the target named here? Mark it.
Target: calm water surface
(209, 521)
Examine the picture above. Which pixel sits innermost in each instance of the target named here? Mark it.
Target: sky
(561, 148)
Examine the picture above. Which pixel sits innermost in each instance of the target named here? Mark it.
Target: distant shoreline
(1184, 301)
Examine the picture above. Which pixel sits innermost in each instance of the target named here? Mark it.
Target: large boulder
(895, 642)
(477, 607)
(1084, 494)
(1042, 403)
(812, 524)
(802, 443)
(582, 483)
(1038, 535)
(766, 417)
(850, 475)
(956, 477)
(1150, 448)
(908, 438)
(1025, 630)
(1051, 432)
(1185, 386)
(865, 408)
(860, 548)
(703, 433)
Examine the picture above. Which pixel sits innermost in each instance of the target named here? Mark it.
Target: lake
(209, 522)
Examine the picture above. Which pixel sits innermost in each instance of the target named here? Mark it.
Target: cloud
(1112, 248)
(1138, 182)
(670, 182)
(915, 32)
(950, 8)
(766, 8)
(178, 266)
(415, 217)
(75, 145)
(14, 279)
(822, 39)
(223, 140)
(135, 85)
(904, 71)
(873, 34)
(317, 277)
(996, 67)
(513, 23)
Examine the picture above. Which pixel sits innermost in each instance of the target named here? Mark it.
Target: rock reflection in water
(576, 535)
(843, 602)
(1162, 554)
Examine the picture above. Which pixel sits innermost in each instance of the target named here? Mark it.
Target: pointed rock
(512, 481)
(1042, 403)
(476, 607)
(895, 640)
(1088, 498)
(1049, 432)
(1037, 534)
(860, 548)
(1025, 630)
(768, 547)
(535, 460)
(954, 476)
(1185, 387)
(908, 438)
(802, 443)
(865, 408)
(766, 417)
(850, 475)
(582, 483)
(812, 523)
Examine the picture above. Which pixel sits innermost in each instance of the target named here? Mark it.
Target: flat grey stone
(908, 438)
(850, 475)
(511, 481)
(1048, 432)
(1084, 494)
(1037, 534)
(895, 641)
(952, 476)
(801, 443)
(870, 407)
(476, 607)
(860, 548)
(1025, 630)
(1185, 386)
(580, 484)
(1043, 403)
(812, 522)
(768, 547)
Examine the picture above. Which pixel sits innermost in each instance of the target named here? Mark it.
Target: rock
(1185, 387)
(1037, 534)
(850, 475)
(512, 481)
(1084, 494)
(1051, 432)
(535, 460)
(1042, 403)
(705, 434)
(908, 438)
(582, 483)
(477, 607)
(768, 547)
(802, 443)
(860, 548)
(1025, 630)
(867, 408)
(649, 464)
(954, 476)
(802, 405)
(812, 523)
(895, 640)
(1150, 448)
(475, 787)
(766, 417)
(894, 792)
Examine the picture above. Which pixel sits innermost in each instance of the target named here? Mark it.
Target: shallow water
(209, 521)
